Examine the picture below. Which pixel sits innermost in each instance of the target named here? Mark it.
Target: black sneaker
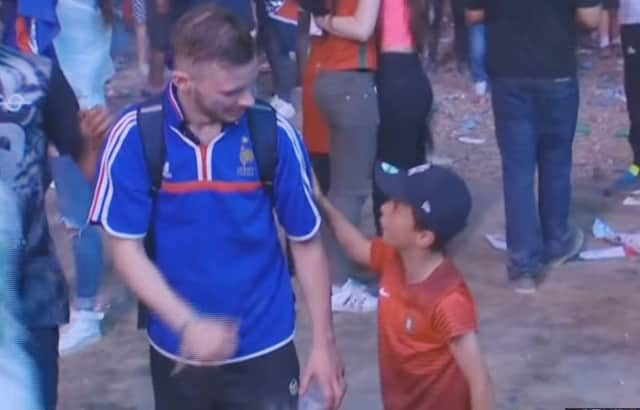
(577, 242)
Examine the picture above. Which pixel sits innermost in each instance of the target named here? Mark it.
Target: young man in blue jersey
(222, 307)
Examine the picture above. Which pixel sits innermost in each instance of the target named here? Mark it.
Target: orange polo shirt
(416, 324)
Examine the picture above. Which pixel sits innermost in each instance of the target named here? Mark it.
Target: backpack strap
(150, 118)
(263, 131)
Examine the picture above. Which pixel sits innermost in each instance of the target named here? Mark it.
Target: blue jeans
(478, 52)
(535, 126)
(281, 43)
(74, 199)
(18, 378)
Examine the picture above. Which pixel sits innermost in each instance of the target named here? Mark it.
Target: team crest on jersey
(247, 166)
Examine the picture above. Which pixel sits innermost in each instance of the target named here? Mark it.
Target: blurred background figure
(630, 19)
(139, 9)
(17, 372)
(609, 29)
(83, 48)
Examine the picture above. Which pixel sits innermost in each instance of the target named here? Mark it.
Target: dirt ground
(573, 344)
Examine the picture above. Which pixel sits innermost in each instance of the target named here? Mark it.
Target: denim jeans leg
(557, 103)
(74, 200)
(478, 52)
(281, 44)
(514, 111)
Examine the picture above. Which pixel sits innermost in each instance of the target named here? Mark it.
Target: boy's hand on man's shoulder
(94, 124)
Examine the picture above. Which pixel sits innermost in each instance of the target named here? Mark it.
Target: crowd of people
(192, 187)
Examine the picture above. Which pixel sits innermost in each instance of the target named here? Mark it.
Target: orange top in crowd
(416, 324)
(395, 31)
(331, 52)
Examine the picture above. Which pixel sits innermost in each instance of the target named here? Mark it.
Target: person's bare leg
(614, 28)
(142, 47)
(604, 29)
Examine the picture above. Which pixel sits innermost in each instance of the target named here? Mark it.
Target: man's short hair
(210, 33)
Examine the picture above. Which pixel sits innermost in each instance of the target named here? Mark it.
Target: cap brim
(393, 186)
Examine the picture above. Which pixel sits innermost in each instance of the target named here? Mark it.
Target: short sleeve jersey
(216, 238)
(416, 325)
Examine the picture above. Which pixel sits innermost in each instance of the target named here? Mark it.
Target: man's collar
(173, 108)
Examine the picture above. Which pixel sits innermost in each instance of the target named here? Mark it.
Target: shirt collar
(173, 108)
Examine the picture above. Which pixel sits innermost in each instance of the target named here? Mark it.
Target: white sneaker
(354, 301)
(481, 88)
(82, 331)
(348, 286)
(283, 108)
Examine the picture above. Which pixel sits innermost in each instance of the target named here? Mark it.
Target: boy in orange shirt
(430, 357)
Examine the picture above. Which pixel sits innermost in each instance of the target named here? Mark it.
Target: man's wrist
(324, 339)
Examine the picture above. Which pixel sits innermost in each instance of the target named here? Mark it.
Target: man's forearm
(144, 279)
(313, 274)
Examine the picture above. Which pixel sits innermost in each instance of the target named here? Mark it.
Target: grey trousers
(348, 101)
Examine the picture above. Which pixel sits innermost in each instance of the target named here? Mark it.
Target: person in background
(609, 30)
(345, 59)
(30, 25)
(535, 95)
(83, 49)
(405, 96)
(477, 56)
(630, 19)
(47, 112)
(460, 31)
(281, 30)
(139, 9)
(429, 352)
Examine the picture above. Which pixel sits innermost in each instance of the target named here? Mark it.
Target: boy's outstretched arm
(357, 246)
(468, 355)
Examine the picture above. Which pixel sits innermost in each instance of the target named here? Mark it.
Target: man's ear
(181, 79)
(426, 239)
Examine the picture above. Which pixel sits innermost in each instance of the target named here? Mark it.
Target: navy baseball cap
(439, 196)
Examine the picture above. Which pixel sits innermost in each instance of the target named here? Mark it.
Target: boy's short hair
(440, 199)
(210, 33)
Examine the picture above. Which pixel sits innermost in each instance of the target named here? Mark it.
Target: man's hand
(209, 340)
(325, 367)
(94, 124)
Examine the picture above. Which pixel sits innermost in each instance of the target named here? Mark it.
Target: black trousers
(266, 382)
(405, 99)
(631, 50)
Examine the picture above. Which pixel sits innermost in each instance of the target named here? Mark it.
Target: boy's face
(399, 227)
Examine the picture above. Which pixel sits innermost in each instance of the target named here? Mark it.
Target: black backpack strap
(263, 131)
(150, 118)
